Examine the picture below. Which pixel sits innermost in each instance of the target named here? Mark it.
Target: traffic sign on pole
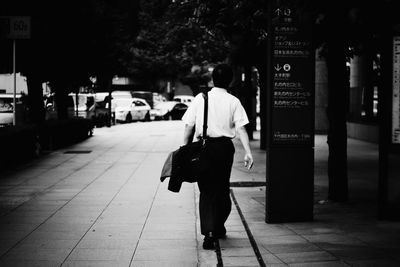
(15, 27)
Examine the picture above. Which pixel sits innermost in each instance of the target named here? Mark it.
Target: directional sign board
(290, 135)
(15, 27)
(293, 82)
(396, 91)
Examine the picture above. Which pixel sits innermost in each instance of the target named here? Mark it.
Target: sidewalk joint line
(144, 224)
(196, 216)
(248, 231)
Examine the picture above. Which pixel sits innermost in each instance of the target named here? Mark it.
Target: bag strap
(205, 95)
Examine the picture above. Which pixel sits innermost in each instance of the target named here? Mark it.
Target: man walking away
(226, 117)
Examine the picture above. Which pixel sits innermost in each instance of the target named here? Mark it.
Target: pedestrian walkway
(100, 203)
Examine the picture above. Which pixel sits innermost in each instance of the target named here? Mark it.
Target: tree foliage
(71, 41)
(171, 41)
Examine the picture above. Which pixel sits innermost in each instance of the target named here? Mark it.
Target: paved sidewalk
(100, 203)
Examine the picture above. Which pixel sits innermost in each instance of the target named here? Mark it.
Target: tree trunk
(35, 99)
(61, 97)
(337, 132)
(248, 100)
(263, 107)
(105, 84)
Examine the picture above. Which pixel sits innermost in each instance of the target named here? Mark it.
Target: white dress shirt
(225, 114)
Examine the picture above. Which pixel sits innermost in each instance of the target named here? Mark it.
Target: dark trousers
(215, 202)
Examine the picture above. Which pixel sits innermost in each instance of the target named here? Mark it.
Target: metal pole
(15, 83)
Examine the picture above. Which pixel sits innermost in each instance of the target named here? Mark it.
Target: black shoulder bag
(195, 162)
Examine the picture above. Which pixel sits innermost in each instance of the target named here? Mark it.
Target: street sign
(396, 91)
(15, 27)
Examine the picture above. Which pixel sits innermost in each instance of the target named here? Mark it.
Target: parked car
(173, 110)
(186, 99)
(146, 95)
(102, 100)
(83, 105)
(127, 110)
(6, 108)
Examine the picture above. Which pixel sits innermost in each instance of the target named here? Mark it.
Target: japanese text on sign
(396, 92)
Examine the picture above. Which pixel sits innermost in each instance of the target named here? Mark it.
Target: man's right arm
(244, 139)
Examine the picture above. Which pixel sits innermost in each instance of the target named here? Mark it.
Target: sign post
(290, 136)
(15, 83)
(15, 28)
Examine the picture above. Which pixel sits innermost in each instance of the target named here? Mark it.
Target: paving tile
(107, 243)
(51, 226)
(259, 233)
(21, 219)
(206, 258)
(100, 254)
(180, 254)
(48, 244)
(349, 253)
(237, 252)
(289, 248)
(72, 219)
(168, 227)
(96, 263)
(373, 263)
(271, 259)
(168, 235)
(338, 239)
(240, 261)
(30, 263)
(171, 263)
(288, 239)
(319, 230)
(10, 234)
(323, 264)
(166, 243)
(230, 243)
(39, 254)
(300, 257)
(40, 235)
(114, 234)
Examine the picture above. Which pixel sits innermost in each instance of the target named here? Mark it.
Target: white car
(6, 108)
(186, 99)
(133, 109)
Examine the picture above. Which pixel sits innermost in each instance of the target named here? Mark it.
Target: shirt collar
(219, 89)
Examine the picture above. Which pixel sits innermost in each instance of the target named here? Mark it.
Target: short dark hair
(222, 75)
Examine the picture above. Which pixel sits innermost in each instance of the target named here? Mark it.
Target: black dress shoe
(208, 242)
(220, 233)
